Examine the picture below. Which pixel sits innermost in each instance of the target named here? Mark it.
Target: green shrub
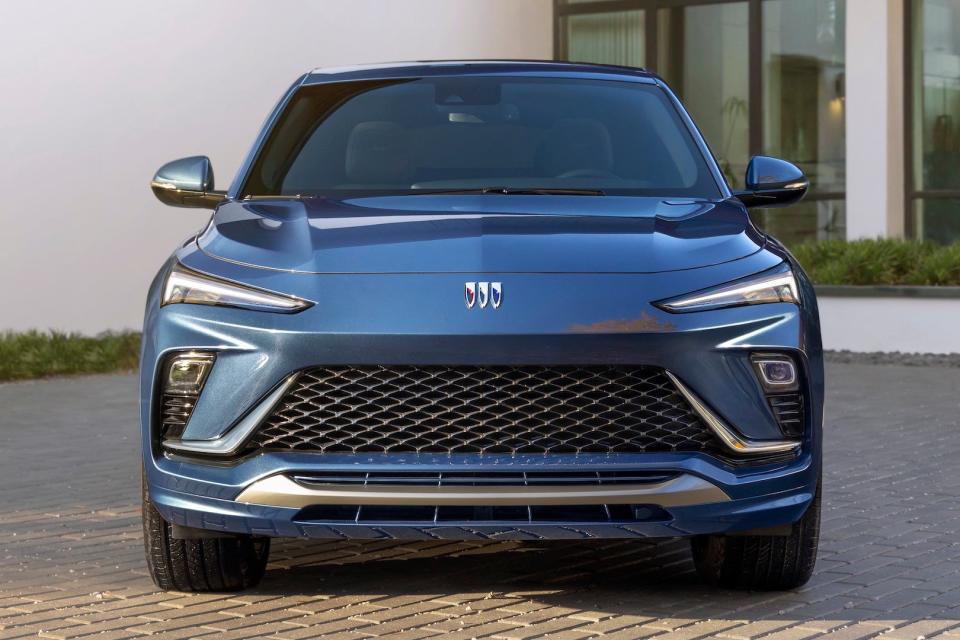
(36, 354)
(880, 262)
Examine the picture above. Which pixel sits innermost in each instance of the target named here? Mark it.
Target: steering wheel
(588, 173)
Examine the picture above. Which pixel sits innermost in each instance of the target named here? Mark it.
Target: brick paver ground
(71, 562)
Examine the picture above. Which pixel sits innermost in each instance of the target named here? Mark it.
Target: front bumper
(708, 352)
(703, 497)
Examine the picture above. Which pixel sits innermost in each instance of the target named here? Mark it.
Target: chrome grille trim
(231, 442)
(733, 440)
(679, 491)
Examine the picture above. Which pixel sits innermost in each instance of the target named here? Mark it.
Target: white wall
(874, 101)
(96, 95)
(907, 325)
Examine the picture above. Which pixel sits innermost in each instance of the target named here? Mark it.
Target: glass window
(936, 118)
(703, 53)
(794, 110)
(455, 133)
(803, 109)
(810, 219)
(938, 219)
(803, 80)
(937, 39)
(616, 37)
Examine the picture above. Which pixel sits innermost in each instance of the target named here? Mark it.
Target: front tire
(761, 562)
(207, 564)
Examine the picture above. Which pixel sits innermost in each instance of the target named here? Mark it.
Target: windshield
(480, 133)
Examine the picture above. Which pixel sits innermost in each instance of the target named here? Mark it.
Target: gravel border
(895, 357)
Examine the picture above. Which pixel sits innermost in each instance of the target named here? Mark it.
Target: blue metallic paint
(481, 233)
(387, 277)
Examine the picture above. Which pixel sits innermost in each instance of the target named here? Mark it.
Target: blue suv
(480, 300)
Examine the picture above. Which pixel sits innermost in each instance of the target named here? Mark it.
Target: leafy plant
(36, 354)
(880, 262)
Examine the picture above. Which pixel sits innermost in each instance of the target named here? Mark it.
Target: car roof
(424, 68)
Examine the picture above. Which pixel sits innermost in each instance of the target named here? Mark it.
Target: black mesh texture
(479, 409)
(174, 413)
(788, 409)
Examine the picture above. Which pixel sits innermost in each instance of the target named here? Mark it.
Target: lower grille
(788, 410)
(174, 413)
(481, 516)
(483, 409)
(480, 478)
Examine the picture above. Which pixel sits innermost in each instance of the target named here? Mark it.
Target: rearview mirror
(772, 182)
(187, 182)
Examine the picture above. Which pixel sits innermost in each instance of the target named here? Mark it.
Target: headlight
(186, 373)
(186, 286)
(776, 285)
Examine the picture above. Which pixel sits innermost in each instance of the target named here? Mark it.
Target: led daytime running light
(762, 289)
(184, 286)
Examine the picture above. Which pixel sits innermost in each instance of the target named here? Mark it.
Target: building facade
(99, 94)
(864, 95)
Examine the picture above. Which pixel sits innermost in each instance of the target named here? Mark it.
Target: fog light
(187, 372)
(183, 378)
(777, 373)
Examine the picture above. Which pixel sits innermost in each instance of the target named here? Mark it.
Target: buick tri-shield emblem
(496, 294)
(483, 294)
(470, 294)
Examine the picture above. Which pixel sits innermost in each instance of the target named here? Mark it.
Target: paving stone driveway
(71, 563)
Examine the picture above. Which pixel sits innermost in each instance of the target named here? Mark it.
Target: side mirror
(187, 182)
(772, 183)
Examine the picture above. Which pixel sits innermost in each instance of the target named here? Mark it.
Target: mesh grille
(474, 409)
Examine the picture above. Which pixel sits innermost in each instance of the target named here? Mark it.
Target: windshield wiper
(513, 191)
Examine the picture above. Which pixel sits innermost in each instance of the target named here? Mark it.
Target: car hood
(472, 234)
